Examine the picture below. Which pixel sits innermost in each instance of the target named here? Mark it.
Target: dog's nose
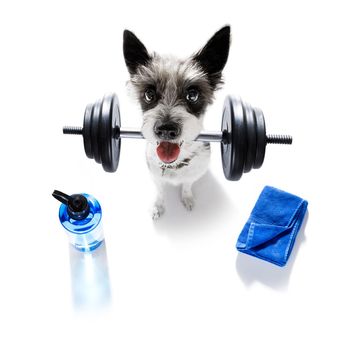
(168, 131)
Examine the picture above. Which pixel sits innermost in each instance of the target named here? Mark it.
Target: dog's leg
(187, 196)
(159, 207)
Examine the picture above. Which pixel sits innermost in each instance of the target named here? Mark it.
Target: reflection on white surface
(90, 279)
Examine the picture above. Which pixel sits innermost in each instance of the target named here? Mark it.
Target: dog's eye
(149, 95)
(192, 95)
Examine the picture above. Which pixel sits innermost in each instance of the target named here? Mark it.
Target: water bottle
(80, 216)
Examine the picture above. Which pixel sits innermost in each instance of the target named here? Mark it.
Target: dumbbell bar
(243, 135)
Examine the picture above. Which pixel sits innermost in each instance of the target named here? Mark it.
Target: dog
(173, 94)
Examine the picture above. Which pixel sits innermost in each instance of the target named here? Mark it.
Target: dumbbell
(243, 135)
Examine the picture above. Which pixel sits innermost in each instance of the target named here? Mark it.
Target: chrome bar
(130, 134)
(210, 136)
(203, 137)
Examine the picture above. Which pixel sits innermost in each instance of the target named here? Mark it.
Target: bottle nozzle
(77, 205)
(62, 197)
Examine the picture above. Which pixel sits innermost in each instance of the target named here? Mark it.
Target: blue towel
(273, 225)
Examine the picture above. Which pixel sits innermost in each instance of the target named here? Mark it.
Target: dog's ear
(135, 53)
(213, 56)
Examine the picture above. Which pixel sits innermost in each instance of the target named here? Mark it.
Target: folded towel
(273, 225)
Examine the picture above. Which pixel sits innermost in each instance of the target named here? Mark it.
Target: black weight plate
(233, 147)
(251, 137)
(108, 144)
(227, 142)
(260, 138)
(95, 125)
(87, 131)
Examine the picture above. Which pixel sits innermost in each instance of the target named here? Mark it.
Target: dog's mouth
(168, 152)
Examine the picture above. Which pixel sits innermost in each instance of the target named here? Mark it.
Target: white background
(178, 283)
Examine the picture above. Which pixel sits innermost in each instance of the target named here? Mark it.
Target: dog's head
(174, 93)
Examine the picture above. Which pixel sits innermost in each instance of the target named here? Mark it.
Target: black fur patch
(135, 53)
(185, 162)
(148, 105)
(213, 56)
(196, 108)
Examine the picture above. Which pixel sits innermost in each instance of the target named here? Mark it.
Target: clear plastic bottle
(80, 216)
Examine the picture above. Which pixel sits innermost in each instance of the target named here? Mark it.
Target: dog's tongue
(168, 152)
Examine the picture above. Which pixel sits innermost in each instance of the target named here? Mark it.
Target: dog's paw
(188, 202)
(157, 211)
